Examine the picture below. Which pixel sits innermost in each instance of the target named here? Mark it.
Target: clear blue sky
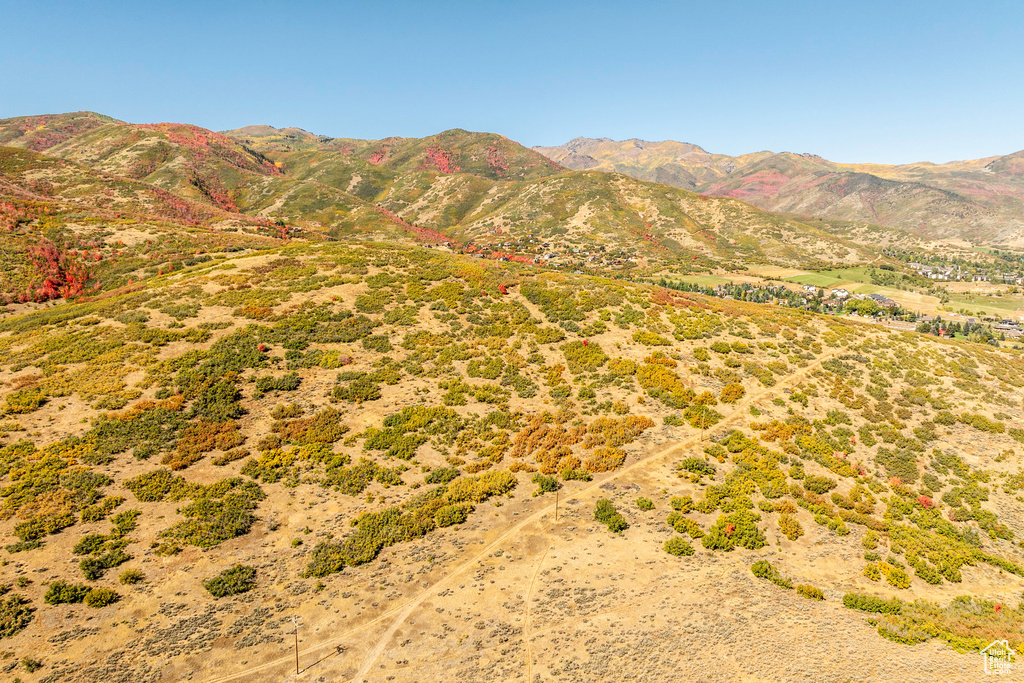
(893, 82)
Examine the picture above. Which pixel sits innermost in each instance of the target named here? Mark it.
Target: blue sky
(889, 82)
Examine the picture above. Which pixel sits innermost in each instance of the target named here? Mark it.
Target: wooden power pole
(295, 622)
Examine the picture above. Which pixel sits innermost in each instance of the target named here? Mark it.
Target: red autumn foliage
(497, 160)
(425, 234)
(503, 289)
(378, 157)
(41, 141)
(177, 208)
(202, 143)
(519, 258)
(729, 528)
(58, 275)
(441, 159)
(925, 502)
(211, 188)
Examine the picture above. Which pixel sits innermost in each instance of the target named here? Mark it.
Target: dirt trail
(526, 621)
(403, 612)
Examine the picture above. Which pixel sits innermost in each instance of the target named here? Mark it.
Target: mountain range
(592, 205)
(478, 191)
(981, 200)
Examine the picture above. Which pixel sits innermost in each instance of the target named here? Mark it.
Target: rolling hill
(479, 192)
(980, 201)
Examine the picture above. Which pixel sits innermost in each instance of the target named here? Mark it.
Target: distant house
(810, 289)
(883, 301)
(840, 293)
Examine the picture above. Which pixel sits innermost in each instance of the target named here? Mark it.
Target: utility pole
(295, 622)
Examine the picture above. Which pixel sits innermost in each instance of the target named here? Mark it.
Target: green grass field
(816, 279)
(992, 305)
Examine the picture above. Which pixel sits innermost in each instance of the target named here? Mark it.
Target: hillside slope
(480, 192)
(980, 200)
(371, 437)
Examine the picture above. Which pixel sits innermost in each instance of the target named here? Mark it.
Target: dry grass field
(378, 436)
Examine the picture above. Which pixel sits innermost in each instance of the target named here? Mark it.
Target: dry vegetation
(372, 437)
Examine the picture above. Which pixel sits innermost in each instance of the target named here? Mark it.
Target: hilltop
(975, 200)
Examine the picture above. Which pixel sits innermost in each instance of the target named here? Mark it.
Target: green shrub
(697, 466)
(569, 474)
(131, 576)
(327, 558)
(763, 569)
(678, 546)
(979, 422)
(605, 512)
(158, 485)
(486, 368)
(870, 603)
(375, 531)
(545, 484)
(452, 514)
(266, 384)
(737, 529)
(124, 522)
(237, 579)
(101, 597)
(819, 485)
(15, 614)
(441, 475)
(94, 513)
(810, 592)
(25, 400)
(583, 356)
(378, 343)
(681, 503)
(650, 338)
(224, 511)
(62, 592)
(644, 503)
(685, 525)
(359, 390)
